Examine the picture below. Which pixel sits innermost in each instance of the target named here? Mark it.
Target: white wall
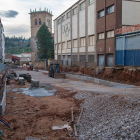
(74, 26)
(130, 12)
(91, 19)
(55, 31)
(82, 23)
(59, 33)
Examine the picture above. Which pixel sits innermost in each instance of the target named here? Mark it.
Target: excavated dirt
(35, 117)
(130, 75)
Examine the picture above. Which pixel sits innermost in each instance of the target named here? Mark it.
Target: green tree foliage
(45, 43)
(17, 45)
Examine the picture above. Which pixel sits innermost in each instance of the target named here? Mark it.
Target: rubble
(108, 116)
(21, 81)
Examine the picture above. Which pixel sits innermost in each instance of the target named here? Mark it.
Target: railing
(2, 67)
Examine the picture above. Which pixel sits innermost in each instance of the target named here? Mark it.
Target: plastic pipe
(2, 133)
(5, 119)
(5, 123)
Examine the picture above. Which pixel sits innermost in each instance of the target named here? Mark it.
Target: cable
(5, 123)
(2, 133)
(5, 119)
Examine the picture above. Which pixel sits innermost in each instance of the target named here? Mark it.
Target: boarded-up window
(82, 6)
(63, 18)
(91, 40)
(68, 15)
(69, 44)
(101, 36)
(59, 46)
(91, 58)
(59, 57)
(91, 2)
(82, 58)
(63, 45)
(110, 34)
(75, 45)
(74, 58)
(83, 42)
(75, 11)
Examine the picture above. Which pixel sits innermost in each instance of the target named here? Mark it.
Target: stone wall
(39, 65)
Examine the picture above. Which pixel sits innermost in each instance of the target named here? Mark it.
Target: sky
(15, 16)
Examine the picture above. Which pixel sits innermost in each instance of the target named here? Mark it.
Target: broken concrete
(34, 83)
(21, 81)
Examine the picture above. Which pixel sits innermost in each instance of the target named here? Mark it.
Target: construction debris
(34, 83)
(21, 81)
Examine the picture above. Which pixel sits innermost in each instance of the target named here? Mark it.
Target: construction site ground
(109, 113)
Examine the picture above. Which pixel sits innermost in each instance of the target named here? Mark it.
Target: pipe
(2, 133)
(5, 123)
(5, 119)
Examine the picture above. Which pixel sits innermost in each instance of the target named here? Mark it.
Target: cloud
(9, 14)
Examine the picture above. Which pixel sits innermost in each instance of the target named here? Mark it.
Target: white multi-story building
(74, 34)
(2, 43)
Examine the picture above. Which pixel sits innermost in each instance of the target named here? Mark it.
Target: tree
(45, 43)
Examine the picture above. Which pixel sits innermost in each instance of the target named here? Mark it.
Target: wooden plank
(80, 115)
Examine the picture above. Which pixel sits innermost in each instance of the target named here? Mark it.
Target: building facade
(74, 34)
(37, 19)
(85, 34)
(2, 43)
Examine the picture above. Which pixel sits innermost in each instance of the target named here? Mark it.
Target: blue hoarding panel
(119, 56)
(129, 58)
(136, 57)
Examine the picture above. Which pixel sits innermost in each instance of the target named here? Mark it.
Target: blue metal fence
(2, 67)
(128, 50)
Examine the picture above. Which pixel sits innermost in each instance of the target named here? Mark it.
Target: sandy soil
(31, 116)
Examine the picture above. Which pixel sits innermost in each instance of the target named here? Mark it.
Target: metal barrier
(2, 67)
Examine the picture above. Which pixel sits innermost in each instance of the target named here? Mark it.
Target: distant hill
(17, 45)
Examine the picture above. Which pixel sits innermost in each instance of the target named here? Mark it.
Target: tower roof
(41, 11)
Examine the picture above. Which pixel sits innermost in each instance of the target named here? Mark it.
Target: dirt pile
(35, 117)
(116, 74)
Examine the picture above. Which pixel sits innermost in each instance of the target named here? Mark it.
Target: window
(91, 58)
(48, 22)
(101, 36)
(110, 34)
(110, 9)
(69, 44)
(75, 11)
(39, 21)
(82, 6)
(74, 58)
(59, 46)
(82, 58)
(91, 40)
(83, 42)
(59, 57)
(101, 13)
(75, 45)
(59, 21)
(68, 15)
(63, 18)
(35, 21)
(63, 46)
(91, 2)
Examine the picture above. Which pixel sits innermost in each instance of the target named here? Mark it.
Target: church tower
(37, 19)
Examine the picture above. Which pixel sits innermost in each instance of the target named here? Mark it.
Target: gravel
(109, 117)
